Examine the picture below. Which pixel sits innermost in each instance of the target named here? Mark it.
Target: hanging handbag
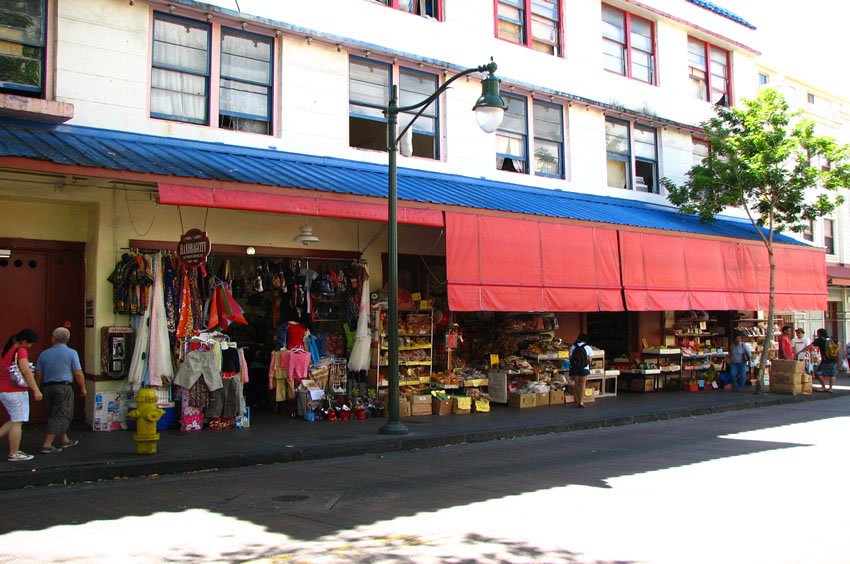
(15, 373)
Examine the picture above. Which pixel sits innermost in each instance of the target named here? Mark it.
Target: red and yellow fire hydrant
(146, 415)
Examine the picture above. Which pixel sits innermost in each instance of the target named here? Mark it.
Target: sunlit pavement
(770, 493)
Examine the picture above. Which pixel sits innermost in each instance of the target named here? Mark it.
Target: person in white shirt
(801, 343)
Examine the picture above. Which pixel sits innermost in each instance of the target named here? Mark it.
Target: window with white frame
(809, 230)
(23, 30)
(182, 73)
(631, 147)
(370, 83)
(545, 127)
(628, 44)
(429, 8)
(829, 236)
(709, 72)
(533, 23)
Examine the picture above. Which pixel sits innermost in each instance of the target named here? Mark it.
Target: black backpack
(578, 359)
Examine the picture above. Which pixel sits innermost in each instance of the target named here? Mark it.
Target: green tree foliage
(767, 161)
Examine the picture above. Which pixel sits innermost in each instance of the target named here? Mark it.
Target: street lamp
(489, 111)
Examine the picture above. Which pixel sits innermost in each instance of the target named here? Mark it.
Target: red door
(41, 288)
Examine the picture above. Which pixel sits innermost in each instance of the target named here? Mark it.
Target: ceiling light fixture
(306, 236)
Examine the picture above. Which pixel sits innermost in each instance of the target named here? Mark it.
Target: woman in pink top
(15, 399)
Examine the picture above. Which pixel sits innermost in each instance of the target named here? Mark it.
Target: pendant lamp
(306, 236)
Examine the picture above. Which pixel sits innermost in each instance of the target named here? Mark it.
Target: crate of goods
(441, 406)
(590, 395)
(556, 397)
(541, 399)
(461, 405)
(521, 401)
(641, 383)
(420, 404)
(481, 406)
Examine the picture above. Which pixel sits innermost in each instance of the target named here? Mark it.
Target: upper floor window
(631, 148)
(182, 73)
(533, 23)
(709, 72)
(829, 236)
(809, 230)
(22, 46)
(545, 129)
(763, 79)
(628, 44)
(370, 83)
(430, 8)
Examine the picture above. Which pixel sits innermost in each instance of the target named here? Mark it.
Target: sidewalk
(276, 438)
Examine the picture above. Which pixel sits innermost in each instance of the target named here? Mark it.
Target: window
(182, 74)
(829, 236)
(22, 47)
(542, 17)
(763, 79)
(810, 98)
(181, 70)
(809, 231)
(709, 72)
(370, 82)
(547, 133)
(628, 45)
(631, 148)
(430, 8)
(699, 151)
(245, 85)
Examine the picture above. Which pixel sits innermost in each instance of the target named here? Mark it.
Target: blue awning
(167, 158)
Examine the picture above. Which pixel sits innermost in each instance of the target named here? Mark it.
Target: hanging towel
(360, 355)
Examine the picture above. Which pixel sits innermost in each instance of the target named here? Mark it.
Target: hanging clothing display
(131, 280)
(360, 354)
(160, 365)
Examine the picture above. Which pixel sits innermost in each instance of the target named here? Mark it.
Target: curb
(102, 471)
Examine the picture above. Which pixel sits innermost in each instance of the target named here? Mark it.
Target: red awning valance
(502, 264)
(675, 272)
(174, 194)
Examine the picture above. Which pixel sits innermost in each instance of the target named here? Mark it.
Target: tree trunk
(768, 339)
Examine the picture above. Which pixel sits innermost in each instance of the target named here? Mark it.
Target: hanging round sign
(194, 247)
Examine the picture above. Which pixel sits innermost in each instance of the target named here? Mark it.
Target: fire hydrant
(146, 414)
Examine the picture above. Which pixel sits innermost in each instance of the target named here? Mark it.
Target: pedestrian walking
(739, 359)
(56, 369)
(829, 351)
(14, 397)
(580, 353)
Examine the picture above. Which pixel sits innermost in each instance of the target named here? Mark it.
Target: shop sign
(194, 247)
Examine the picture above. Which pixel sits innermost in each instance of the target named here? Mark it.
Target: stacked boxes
(788, 377)
(420, 404)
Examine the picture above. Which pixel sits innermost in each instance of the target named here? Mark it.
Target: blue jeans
(738, 372)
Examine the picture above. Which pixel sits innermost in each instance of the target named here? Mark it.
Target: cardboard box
(556, 397)
(589, 395)
(461, 405)
(315, 391)
(787, 367)
(807, 386)
(541, 400)
(641, 384)
(421, 399)
(441, 407)
(522, 401)
(481, 406)
(787, 389)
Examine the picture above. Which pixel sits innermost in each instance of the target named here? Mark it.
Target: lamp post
(489, 111)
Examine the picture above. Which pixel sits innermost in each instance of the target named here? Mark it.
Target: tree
(767, 161)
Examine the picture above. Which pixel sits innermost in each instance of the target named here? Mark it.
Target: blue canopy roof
(164, 156)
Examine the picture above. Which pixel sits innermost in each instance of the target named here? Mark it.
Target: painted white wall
(103, 68)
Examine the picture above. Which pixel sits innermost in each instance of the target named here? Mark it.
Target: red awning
(502, 264)
(676, 272)
(177, 195)
(838, 275)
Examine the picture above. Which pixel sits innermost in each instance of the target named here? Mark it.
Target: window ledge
(35, 109)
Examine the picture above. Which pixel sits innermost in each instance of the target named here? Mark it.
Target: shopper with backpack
(829, 352)
(580, 353)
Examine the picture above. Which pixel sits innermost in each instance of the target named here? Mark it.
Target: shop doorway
(612, 332)
(42, 284)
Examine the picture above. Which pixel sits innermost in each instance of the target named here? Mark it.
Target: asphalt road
(760, 485)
